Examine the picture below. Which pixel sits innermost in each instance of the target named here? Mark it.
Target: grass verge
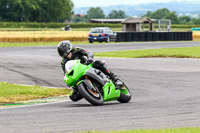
(36, 44)
(177, 130)
(188, 52)
(11, 93)
(30, 44)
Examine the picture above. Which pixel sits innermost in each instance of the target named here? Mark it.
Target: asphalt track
(166, 91)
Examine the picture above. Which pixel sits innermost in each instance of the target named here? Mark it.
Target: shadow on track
(83, 104)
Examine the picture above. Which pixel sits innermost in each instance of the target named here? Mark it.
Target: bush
(76, 25)
(184, 26)
(54, 25)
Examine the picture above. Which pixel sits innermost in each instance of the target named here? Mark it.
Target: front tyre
(91, 95)
(125, 94)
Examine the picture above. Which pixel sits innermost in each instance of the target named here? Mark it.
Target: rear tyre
(125, 94)
(93, 96)
(91, 41)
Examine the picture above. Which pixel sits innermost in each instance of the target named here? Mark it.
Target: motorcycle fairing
(96, 75)
(76, 73)
(110, 93)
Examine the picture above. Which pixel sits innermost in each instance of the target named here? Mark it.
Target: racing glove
(89, 61)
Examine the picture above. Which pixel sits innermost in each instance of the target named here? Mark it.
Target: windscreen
(69, 65)
(96, 31)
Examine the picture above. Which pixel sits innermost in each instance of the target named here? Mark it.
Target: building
(135, 24)
(128, 24)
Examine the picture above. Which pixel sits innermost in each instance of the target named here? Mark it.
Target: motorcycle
(94, 85)
(67, 28)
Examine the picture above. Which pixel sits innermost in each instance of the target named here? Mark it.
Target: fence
(153, 36)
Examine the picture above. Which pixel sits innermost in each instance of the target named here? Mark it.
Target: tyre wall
(153, 36)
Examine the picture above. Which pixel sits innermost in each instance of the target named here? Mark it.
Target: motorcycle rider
(69, 52)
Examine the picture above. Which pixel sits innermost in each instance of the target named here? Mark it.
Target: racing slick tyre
(92, 95)
(125, 94)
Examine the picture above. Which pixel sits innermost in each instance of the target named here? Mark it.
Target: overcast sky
(95, 3)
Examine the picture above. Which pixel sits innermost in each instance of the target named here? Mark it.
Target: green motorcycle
(94, 85)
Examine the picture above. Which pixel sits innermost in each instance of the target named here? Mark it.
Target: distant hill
(181, 8)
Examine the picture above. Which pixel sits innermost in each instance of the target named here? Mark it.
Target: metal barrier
(153, 36)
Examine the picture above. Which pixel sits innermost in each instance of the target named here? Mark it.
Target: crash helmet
(64, 48)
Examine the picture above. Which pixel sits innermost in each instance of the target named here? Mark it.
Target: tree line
(97, 13)
(35, 10)
(163, 13)
(61, 10)
(48, 11)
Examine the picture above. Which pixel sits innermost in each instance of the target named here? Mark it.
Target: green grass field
(50, 29)
(188, 52)
(11, 93)
(30, 44)
(21, 44)
(27, 44)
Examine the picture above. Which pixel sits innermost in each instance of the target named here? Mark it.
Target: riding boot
(113, 76)
(75, 96)
(115, 79)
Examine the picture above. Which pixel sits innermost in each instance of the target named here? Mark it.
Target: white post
(159, 25)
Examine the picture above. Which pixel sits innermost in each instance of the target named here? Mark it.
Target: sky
(95, 3)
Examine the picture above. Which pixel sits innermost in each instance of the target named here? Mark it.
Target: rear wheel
(92, 95)
(125, 94)
(91, 41)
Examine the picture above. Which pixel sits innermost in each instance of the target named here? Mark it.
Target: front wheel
(91, 94)
(125, 94)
